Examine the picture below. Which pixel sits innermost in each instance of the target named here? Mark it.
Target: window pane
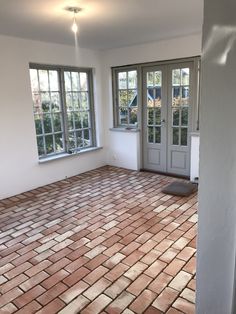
(43, 80)
(84, 100)
(87, 137)
(40, 145)
(75, 81)
(175, 136)
(133, 115)
(47, 123)
(76, 102)
(37, 103)
(78, 124)
(122, 80)
(176, 77)
(69, 102)
(123, 115)
(79, 138)
(150, 135)
(184, 117)
(85, 116)
(158, 135)
(175, 116)
(72, 144)
(38, 124)
(132, 101)
(184, 134)
(185, 76)
(34, 80)
(132, 79)
(45, 98)
(83, 81)
(123, 98)
(55, 102)
(49, 144)
(57, 123)
(70, 120)
(59, 142)
(53, 80)
(67, 78)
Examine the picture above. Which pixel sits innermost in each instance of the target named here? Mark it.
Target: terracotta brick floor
(107, 241)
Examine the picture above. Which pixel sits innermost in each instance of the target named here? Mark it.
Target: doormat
(180, 188)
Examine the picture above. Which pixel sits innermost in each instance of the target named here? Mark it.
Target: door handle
(163, 122)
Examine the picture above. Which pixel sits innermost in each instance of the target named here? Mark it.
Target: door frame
(194, 124)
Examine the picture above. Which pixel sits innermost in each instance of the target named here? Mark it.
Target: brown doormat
(180, 188)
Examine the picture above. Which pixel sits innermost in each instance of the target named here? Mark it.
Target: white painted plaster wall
(194, 163)
(19, 167)
(128, 152)
(217, 195)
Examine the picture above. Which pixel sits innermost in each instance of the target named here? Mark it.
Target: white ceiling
(104, 24)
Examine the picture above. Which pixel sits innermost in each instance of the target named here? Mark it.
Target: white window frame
(67, 149)
(116, 107)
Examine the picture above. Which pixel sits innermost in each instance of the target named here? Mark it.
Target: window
(63, 109)
(126, 97)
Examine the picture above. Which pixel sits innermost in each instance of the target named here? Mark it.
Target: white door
(167, 107)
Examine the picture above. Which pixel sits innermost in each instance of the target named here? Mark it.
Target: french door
(167, 117)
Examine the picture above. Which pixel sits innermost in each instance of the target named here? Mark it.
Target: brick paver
(106, 241)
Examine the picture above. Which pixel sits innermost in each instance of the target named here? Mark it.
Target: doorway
(167, 110)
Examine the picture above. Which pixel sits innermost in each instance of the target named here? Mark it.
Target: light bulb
(74, 27)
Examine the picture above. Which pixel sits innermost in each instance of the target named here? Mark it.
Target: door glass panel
(150, 97)
(150, 135)
(158, 135)
(150, 79)
(175, 136)
(185, 96)
(180, 99)
(176, 77)
(184, 134)
(158, 97)
(184, 117)
(176, 117)
(185, 76)
(176, 96)
(157, 116)
(150, 116)
(157, 78)
(154, 81)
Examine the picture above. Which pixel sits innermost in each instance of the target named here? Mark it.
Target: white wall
(19, 167)
(129, 152)
(217, 195)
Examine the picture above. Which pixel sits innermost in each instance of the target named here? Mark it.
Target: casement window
(63, 109)
(125, 86)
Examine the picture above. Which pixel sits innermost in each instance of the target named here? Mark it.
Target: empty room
(118, 158)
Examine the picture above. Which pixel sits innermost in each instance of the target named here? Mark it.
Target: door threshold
(167, 174)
